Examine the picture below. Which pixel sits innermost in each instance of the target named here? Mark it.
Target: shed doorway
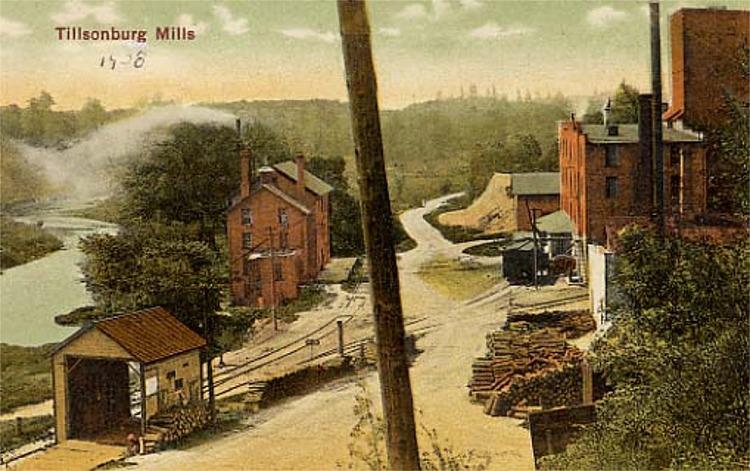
(99, 398)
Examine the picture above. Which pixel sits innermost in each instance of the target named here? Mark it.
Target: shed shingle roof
(150, 335)
(540, 183)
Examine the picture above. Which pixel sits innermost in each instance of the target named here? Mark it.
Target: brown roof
(150, 335)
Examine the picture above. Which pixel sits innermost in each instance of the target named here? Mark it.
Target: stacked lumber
(569, 324)
(169, 427)
(525, 371)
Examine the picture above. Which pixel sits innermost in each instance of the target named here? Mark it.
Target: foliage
(734, 152)
(153, 264)
(347, 239)
(21, 243)
(39, 125)
(677, 360)
(25, 376)
(235, 326)
(625, 107)
(20, 180)
(31, 429)
(188, 178)
(427, 146)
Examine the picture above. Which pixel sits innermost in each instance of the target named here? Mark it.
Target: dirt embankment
(492, 212)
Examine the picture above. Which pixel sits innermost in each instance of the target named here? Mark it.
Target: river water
(31, 295)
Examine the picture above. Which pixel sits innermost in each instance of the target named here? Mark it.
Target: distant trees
(676, 360)
(625, 107)
(20, 180)
(517, 153)
(39, 124)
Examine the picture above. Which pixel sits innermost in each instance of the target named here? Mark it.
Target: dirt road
(312, 432)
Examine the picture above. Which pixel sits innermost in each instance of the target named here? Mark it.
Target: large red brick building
(707, 49)
(278, 232)
(606, 176)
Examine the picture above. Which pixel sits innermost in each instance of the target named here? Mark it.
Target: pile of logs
(569, 324)
(526, 371)
(170, 426)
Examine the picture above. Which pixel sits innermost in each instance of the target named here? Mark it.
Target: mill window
(610, 158)
(247, 240)
(247, 217)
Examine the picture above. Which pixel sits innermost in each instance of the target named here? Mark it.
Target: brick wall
(706, 46)
(545, 204)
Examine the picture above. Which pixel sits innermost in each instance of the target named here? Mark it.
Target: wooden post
(340, 327)
(142, 370)
(377, 222)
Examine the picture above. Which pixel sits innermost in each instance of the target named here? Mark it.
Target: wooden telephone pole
(393, 367)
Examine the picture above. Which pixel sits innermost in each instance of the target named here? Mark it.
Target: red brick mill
(278, 232)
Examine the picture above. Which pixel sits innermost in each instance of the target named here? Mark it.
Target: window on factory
(247, 240)
(610, 187)
(247, 217)
(610, 157)
(284, 239)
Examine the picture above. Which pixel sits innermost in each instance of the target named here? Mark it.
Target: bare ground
(312, 432)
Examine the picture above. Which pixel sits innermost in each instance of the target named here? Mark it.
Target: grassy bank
(459, 281)
(25, 375)
(16, 433)
(21, 243)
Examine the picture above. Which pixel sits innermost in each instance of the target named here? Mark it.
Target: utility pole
(377, 222)
(273, 279)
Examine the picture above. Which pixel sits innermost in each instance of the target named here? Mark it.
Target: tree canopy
(676, 359)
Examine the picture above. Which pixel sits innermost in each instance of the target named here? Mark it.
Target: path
(312, 432)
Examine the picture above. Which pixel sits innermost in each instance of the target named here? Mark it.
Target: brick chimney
(245, 157)
(300, 161)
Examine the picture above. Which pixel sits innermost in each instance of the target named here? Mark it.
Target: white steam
(86, 169)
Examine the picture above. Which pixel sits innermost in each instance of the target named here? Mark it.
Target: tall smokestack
(300, 161)
(657, 138)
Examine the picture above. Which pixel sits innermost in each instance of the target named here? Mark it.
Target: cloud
(389, 32)
(492, 30)
(307, 33)
(413, 11)
(75, 11)
(13, 29)
(471, 4)
(230, 24)
(604, 16)
(186, 19)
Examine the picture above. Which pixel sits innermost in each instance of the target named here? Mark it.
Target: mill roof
(540, 183)
(312, 183)
(149, 335)
(628, 134)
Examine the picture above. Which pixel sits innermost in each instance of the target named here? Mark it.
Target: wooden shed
(112, 376)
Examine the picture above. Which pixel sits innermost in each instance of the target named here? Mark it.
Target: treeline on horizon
(431, 148)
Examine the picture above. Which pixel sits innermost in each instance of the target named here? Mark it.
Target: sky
(290, 49)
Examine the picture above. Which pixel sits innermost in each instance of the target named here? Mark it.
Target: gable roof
(540, 183)
(293, 202)
(555, 223)
(149, 335)
(628, 134)
(312, 183)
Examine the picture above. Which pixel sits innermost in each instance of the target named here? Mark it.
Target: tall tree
(676, 359)
(188, 178)
(152, 264)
